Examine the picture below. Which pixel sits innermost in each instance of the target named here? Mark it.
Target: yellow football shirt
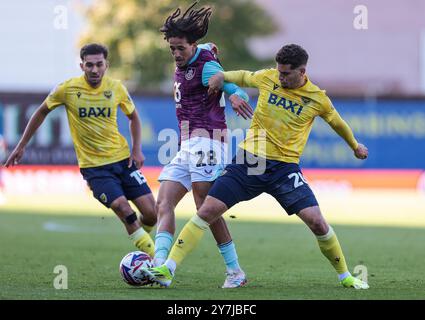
(92, 117)
(283, 117)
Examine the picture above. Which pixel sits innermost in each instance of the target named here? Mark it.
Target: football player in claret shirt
(203, 142)
(111, 170)
(287, 104)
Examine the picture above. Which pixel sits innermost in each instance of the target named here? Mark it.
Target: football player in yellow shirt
(106, 163)
(268, 159)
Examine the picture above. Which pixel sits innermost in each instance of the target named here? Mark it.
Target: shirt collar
(198, 51)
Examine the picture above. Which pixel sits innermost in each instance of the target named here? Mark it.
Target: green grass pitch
(282, 261)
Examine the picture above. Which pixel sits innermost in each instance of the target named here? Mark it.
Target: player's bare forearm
(136, 138)
(33, 124)
(215, 83)
(135, 130)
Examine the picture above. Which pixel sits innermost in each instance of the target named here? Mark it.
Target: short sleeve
(125, 102)
(56, 97)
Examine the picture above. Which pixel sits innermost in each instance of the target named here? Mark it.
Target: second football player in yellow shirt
(106, 163)
(287, 106)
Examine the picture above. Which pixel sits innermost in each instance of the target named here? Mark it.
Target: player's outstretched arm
(212, 76)
(240, 78)
(212, 69)
(136, 137)
(238, 98)
(33, 124)
(343, 129)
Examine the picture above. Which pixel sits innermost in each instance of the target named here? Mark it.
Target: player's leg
(230, 188)
(146, 206)
(326, 238)
(136, 189)
(330, 246)
(140, 237)
(187, 240)
(292, 191)
(107, 183)
(235, 275)
(191, 234)
(170, 194)
(175, 183)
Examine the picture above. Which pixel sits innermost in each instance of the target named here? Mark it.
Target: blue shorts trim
(283, 181)
(111, 181)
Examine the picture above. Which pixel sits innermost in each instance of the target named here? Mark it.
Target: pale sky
(39, 42)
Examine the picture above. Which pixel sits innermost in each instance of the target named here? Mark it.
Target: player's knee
(209, 213)
(149, 216)
(121, 207)
(319, 226)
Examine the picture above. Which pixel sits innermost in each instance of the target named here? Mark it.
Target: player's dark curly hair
(192, 25)
(93, 48)
(292, 54)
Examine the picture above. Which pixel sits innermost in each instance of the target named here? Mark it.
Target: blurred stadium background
(375, 76)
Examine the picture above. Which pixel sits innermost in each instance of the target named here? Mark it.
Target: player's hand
(241, 107)
(14, 157)
(214, 48)
(215, 83)
(361, 152)
(138, 158)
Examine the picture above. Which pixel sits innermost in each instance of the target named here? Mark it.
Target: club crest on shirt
(108, 94)
(305, 100)
(103, 198)
(190, 73)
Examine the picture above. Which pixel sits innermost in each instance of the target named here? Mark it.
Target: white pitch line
(52, 226)
(57, 227)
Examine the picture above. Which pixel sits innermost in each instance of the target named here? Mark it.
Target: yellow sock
(147, 228)
(143, 241)
(188, 239)
(331, 249)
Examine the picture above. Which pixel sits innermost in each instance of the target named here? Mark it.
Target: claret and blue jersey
(196, 109)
